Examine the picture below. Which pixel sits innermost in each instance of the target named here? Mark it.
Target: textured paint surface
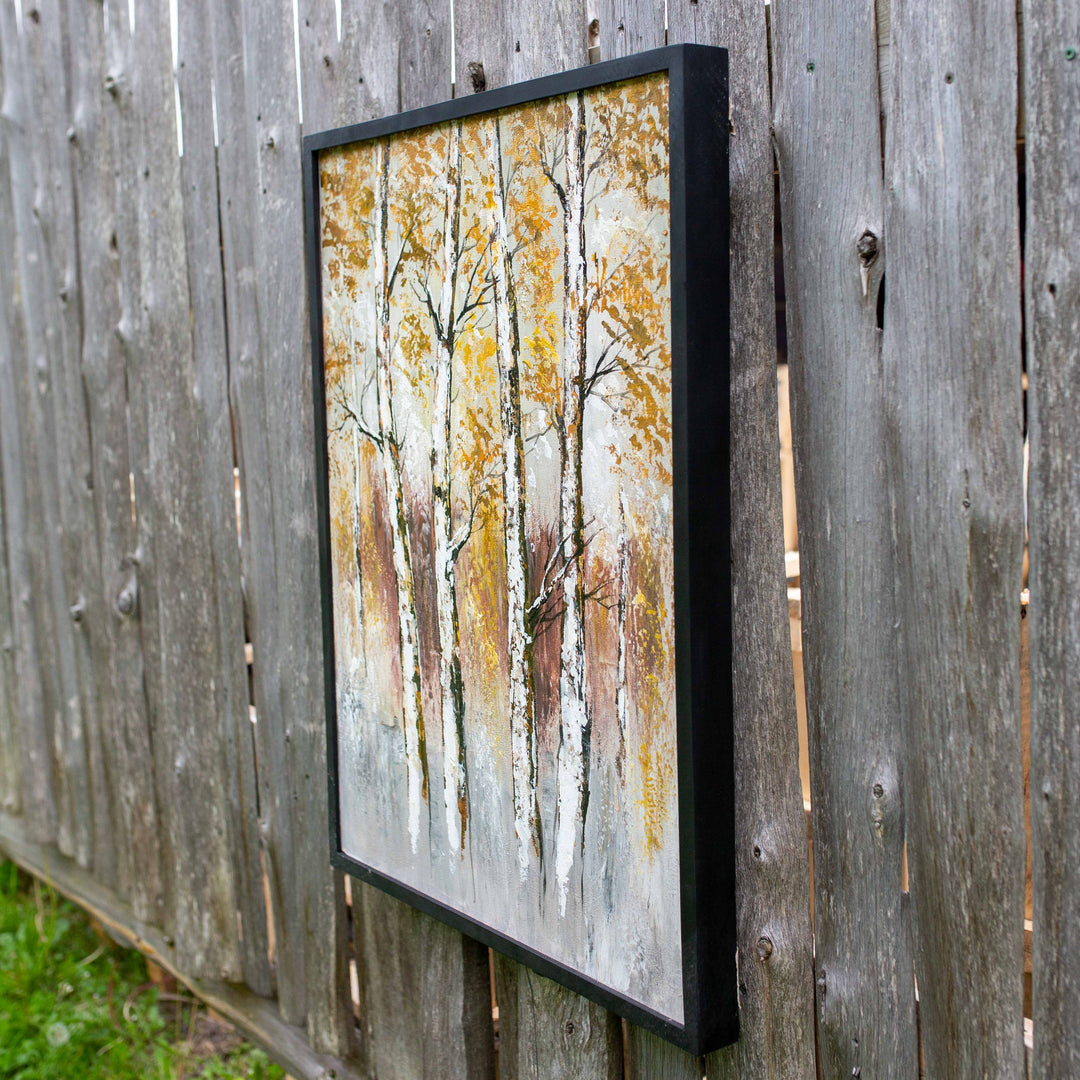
(496, 304)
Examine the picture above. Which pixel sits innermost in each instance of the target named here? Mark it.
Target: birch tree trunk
(455, 787)
(622, 711)
(520, 640)
(572, 796)
(412, 713)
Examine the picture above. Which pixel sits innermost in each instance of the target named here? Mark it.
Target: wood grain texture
(546, 1032)
(1052, 297)
(12, 510)
(630, 26)
(236, 188)
(109, 344)
(26, 404)
(648, 1057)
(427, 994)
(518, 41)
(952, 358)
(9, 718)
(272, 384)
(117, 783)
(587, 1039)
(195, 73)
(828, 140)
(775, 951)
(78, 614)
(172, 462)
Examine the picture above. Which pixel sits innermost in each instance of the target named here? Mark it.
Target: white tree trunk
(522, 731)
(411, 702)
(622, 710)
(357, 485)
(455, 800)
(573, 759)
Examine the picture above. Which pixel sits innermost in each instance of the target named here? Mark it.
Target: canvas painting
(496, 323)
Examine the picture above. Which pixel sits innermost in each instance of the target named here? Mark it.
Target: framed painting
(519, 306)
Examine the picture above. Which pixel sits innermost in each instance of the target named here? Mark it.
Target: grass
(73, 1004)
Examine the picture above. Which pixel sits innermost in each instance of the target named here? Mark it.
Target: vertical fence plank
(11, 511)
(105, 127)
(775, 951)
(78, 612)
(828, 137)
(578, 1037)
(265, 212)
(427, 995)
(205, 274)
(1052, 285)
(952, 355)
(283, 577)
(30, 404)
(178, 591)
(630, 26)
(106, 455)
(9, 730)
(236, 189)
(546, 1032)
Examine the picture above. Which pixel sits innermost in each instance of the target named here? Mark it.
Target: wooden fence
(161, 729)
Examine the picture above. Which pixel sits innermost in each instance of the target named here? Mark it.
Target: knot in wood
(77, 610)
(868, 248)
(477, 77)
(127, 597)
(764, 948)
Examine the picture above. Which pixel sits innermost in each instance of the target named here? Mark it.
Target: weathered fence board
(109, 341)
(78, 613)
(28, 411)
(1052, 286)
(307, 897)
(246, 389)
(13, 584)
(828, 139)
(775, 953)
(630, 26)
(9, 732)
(172, 463)
(546, 1032)
(195, 69)
(106, 457)
(952, 357)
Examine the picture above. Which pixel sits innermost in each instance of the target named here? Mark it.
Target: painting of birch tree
(496, 336)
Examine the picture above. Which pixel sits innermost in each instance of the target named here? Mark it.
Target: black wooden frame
(698, 112)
